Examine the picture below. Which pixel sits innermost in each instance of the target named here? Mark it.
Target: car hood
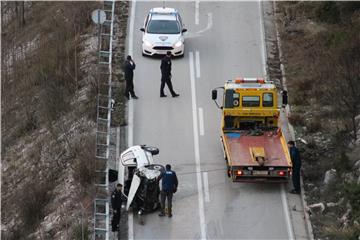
(163, 39)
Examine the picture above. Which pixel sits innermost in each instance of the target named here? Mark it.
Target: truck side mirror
(214, 94)
(142, 29)
(184, 30)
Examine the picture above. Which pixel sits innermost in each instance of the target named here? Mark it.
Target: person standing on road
(129, 66)
(166, 75)
(296, 162)
(169, 187)
(284, 98)
(116, 202)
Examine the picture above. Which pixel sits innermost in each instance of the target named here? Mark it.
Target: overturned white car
(141, 178)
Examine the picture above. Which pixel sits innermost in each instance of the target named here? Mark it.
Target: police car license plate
(260, 172)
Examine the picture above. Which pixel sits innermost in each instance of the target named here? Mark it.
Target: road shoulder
(297, 205)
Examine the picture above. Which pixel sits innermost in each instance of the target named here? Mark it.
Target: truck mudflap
(256, 174)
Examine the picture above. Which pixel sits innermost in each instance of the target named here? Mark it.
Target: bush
(328, 12)
(335, 232)
(84, 167)
(352, 193)
(342, 162)
(296, 119)
(314, 125)
(78, 231)
(34, 196)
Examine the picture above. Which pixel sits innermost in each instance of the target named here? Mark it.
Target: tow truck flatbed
(239, 143)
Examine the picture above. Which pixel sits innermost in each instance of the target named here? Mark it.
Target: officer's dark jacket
(169, 181)
(295, 157)
(165, 66)
(129, 69)
(116, 199)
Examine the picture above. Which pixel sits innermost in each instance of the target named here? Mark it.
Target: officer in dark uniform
(129, 67)
(116, 201)
(284, 98)
(169, 187)
(296, 162)
(166, 75)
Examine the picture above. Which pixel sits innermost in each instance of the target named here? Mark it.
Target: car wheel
(152, 150)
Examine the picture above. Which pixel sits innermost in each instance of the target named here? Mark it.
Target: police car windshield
(163, 27)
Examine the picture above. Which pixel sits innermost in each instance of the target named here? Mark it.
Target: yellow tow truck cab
(254, 146)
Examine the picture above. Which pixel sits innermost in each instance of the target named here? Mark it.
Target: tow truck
(254, 147)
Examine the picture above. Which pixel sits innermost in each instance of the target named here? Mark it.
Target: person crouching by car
(169, 187)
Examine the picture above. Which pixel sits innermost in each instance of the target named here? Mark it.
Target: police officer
(166, 75)
(129, 67)
(296, 162)
(169, 187)
(116, 201)
(284, 98)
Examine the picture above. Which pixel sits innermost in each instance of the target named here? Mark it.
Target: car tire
(152, 150)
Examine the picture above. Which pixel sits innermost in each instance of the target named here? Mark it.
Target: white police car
(163, 31)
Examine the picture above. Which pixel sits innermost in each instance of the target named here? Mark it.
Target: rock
(345, 218)
(357, 166)
(330, 176)
(348, 177)
(332, 204)
(317, 208)
(310, 185)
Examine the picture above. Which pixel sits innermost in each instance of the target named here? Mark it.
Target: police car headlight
(178, 44)
(147, 43)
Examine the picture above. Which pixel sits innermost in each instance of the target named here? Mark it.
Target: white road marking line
(119, 167)
(196, 147)
(131, 226)
(262, 31)
(131, 110)
(209, 24)
(131, 28)
(197, 61)
(197, 3)
(283, 195)
(201, 121)
(206, 186)
(287, 214)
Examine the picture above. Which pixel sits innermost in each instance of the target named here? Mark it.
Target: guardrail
(103, 127)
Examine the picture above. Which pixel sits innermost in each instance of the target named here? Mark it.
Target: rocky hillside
(321, 47)
(48, 116)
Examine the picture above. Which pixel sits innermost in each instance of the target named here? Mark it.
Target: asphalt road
(226, 43)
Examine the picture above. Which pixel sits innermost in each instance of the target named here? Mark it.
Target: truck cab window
(268, 100)
(251, 101)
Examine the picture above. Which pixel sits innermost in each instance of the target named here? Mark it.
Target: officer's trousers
(296, 178)
(116, 219)
(167, 81)
(163, 196)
